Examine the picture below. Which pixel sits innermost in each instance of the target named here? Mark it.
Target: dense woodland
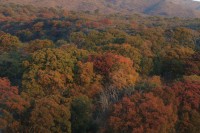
(83, 72)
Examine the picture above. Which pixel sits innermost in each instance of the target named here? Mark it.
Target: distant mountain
(171, 8)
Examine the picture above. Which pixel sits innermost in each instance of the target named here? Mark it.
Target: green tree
(81, 115)
(10, 66)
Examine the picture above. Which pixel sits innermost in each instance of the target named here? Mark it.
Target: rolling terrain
(171, 8)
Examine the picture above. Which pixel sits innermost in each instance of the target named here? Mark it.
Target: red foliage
(193, 65)
(92, 24)
(106, 63)
(134, 25)
(187, 94)
(95, 25)
(106, 21)
(142, 113)
(12, 105)
(9, 96)
(117, 70)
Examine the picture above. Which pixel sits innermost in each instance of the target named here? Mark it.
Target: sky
(196, 0)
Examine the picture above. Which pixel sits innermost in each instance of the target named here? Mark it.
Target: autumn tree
(48, 71)
(12, 107)
(38, 26)
(106, 21)
(148, 84)
(125, 50)
(100, 38)
(182, 36)
(50, 114)
(9, 43)
(88, 79)
(37, 44)
(78, 38)
(78, 54)
(187, 94)
(61, 42)
(192, 65)
(135, 41)
(147, 54)
(117, 70)
(119, 36)
(155, 36)
(142, 113)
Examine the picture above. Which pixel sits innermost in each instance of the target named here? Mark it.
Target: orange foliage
(35, 45)
(50, 114)
(117, 70)
(142, 113)
(109, 62)
(88, 79)
(193, 64)
(106, 21)
(12, 105)
(187, 94)
(188, 98)
(8, 42)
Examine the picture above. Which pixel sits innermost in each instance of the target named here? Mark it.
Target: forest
(85, 72)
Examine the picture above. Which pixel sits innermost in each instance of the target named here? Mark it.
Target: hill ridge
(169, 8)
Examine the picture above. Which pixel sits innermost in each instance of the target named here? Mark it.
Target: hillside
(86, 72)
(179, 8)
